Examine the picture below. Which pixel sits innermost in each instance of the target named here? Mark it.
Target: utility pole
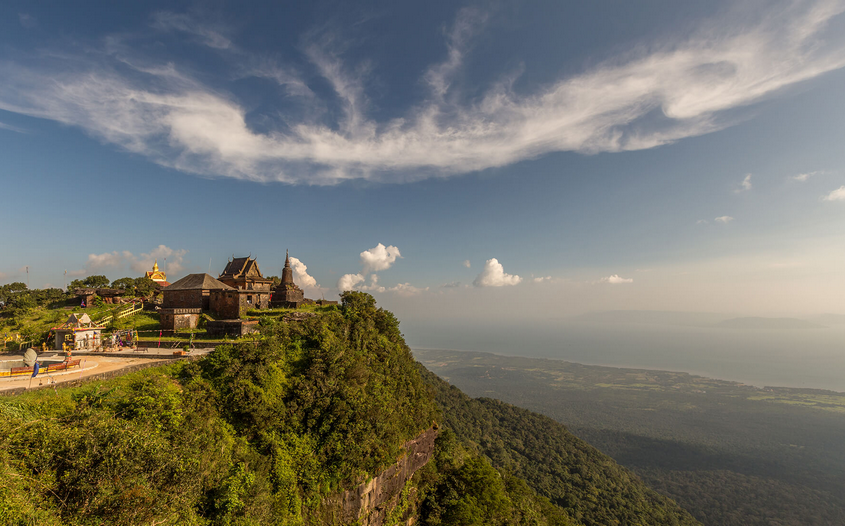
(27, 276)
(65, 280)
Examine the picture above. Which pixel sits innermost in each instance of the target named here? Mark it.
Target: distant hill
(829, 319)
(767, 323)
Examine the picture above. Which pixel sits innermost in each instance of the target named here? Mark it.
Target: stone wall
(172, 319)
(225, 303)
(190, 299)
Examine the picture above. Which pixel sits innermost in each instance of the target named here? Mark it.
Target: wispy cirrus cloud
(649, 98)
(4, 126)
(724, 219)
(203, 31)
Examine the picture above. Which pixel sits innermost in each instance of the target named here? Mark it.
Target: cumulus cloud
(724, 219)
(451, 285)
(301, 276)
(466, 263)
(804, 176)
(542, 279)
(379, 258)
(349, 281)
(138, 264)
(176, 120)
(702, 222)
(616, 280)
(493, 275)
(836, 195)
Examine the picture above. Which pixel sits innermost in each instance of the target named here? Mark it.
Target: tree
(145, 286)
(125, 284)
(10, 290)
(21, 304)
(96, 282)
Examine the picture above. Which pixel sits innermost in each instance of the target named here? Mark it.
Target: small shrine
(79, 332)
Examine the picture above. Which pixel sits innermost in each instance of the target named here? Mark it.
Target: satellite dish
(29, 357)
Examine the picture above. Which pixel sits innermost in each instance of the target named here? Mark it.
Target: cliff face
(371, 503)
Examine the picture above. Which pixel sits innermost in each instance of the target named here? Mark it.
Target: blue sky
(454, 159)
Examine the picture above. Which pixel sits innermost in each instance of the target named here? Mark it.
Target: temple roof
(241, 268)
(197, 281)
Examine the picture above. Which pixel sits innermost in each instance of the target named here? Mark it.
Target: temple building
(185, 300)
(157, 275)
(288, 294)
(244, 274)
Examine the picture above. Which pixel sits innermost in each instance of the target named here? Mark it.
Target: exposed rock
(370, 503)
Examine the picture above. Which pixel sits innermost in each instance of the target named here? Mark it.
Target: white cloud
(138, 264)
(803, 177)
(836, 195)
(467, 263)
(182, 123)
(451, 285)
(724, 219)
(406, 289)
(467, 24)
(349, 281)
(616, 280)
(542, 279)
(202, 31)
(494, 275)
(301, 276)
(746, 183)
(379, 258)
(701, 222)
(4, 126)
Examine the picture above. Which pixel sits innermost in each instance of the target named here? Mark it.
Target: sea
(801, 358)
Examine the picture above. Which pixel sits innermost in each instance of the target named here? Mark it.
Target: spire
(287, 272)
(155, 266)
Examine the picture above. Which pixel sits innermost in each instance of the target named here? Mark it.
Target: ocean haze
(697, 343)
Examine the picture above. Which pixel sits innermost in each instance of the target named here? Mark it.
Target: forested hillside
(587, 484)
(731, 454)
(273, 431)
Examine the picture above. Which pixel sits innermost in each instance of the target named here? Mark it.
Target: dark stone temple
(185, 300)
(287, 294)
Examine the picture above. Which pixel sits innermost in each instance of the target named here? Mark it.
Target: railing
(135, 307)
